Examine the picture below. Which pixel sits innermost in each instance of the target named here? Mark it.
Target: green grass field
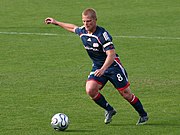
(41, 75)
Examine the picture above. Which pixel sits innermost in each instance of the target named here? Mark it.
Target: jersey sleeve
(79, 30)
(106, 41)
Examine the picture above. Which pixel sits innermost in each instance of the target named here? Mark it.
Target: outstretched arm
(67, 26)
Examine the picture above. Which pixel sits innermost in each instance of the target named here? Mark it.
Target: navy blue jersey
(96, 44)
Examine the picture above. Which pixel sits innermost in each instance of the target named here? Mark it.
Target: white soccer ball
(60, 122)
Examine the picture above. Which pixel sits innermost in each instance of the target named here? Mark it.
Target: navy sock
(101, 101)
(136, 103)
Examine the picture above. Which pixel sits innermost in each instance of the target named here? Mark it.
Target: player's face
(89, 23)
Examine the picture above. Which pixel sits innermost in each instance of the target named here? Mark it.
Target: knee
(126, 94)
(92, 92)
(92, 88)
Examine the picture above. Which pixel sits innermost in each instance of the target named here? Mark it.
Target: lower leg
(101, 101)
(92, 89)
(134, 101)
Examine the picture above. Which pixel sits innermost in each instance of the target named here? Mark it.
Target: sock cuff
(134, 99)
(97, 97)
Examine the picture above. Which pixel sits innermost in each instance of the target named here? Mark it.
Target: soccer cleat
(142, 120)
(108, 116)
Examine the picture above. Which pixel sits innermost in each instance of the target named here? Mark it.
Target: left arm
(109, 60)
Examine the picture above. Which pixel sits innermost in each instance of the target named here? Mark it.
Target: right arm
(67, 26)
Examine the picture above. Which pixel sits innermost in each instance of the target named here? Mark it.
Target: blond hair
(90, 12)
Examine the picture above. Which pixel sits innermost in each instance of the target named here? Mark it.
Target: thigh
(99, 80)
(92, 85)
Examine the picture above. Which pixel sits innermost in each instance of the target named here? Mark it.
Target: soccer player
(106, 64)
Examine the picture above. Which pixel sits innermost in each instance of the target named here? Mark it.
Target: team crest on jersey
(95, 45)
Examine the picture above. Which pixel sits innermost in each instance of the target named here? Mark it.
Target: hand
(99, 72)
(49, 20)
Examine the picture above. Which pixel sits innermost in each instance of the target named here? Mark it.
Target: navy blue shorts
(115, 74)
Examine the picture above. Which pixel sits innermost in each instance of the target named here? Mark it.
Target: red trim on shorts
(95, 81)
(100, 83)
(123, 88)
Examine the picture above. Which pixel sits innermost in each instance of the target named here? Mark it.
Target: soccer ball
(60, 122)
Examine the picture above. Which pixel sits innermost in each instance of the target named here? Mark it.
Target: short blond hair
(90, 12)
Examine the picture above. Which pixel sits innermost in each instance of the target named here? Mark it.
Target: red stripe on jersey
(117, 60)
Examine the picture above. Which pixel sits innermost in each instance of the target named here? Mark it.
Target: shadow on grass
(79, 130)
(120, 125)
(147, 125)
(163, 124)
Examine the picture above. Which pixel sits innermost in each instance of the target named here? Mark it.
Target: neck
(92, 31)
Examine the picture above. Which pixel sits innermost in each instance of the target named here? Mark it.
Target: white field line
(26, 33)
(115, 36)
(146, 37)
